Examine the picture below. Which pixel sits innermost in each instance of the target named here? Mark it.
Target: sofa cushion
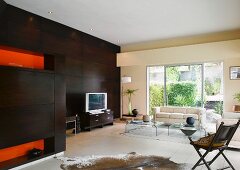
(163, 115)
(166, 109)
(193, 111)
(179, 110)
(195, 116)
(176, 115)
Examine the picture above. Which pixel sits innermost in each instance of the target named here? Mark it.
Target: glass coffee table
(138, 125)
(155, 127)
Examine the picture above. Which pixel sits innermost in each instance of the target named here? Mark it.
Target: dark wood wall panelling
(90, 63)
(26, 106)
(3, 5)
(81, 63)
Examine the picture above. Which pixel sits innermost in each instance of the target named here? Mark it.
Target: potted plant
(129, 93)
(236, 108)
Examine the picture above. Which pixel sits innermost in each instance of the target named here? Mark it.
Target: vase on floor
(134, 112)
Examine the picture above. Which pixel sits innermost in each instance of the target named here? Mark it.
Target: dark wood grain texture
(90, 63)
(24, 124)
(3, 6)
(60, 113)
(89, 121)
(20, 87)
(35, 102)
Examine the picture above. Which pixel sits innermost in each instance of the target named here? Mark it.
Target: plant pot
(236, 108)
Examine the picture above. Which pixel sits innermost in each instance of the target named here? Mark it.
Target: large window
(155, 87)
(213, 80)
(184, 85)
(194, 85)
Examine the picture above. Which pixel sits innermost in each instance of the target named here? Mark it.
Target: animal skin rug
(131, 161)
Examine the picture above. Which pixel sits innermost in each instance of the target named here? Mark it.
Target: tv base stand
(88, 121)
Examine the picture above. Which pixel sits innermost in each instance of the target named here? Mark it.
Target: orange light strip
(20, 58)
(20, 150)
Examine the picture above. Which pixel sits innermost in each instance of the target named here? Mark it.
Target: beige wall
(134, 64)
(181, 41)
(139, 76)
(230, 86)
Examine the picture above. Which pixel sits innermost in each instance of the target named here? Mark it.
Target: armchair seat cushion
(176, 115)
(204, 142)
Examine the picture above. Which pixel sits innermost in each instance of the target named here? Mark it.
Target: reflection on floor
(108, 141)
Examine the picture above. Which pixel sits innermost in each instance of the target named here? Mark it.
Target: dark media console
(90, 120)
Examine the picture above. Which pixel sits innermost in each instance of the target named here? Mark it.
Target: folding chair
(218, 141)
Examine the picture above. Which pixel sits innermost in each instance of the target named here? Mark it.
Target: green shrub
(219, 107)
(156, 96)
(181, 94)
(173, 75)
(212, 88)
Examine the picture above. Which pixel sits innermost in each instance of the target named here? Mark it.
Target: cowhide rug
(131, 161)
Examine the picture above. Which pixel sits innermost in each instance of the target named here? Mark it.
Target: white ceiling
(134, 21)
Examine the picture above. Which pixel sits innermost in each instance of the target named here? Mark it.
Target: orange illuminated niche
(20, 58)
(20, 150)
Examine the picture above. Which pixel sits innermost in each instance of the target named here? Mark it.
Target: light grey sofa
(174, 114)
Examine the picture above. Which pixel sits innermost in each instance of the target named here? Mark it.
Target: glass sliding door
(184, 85)
(193, 85)
(155, 87)
(213, 87)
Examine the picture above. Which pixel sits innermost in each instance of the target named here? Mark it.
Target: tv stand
(96, 112)
(92, 120)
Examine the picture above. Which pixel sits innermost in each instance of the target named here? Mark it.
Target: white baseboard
(37, 161)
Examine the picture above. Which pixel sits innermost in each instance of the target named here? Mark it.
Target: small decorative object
(129, 93)
(146, 118)
(188, 131)
(190, 121)
(134, 112)
(236, 108)
(35, 153)
(235, 73)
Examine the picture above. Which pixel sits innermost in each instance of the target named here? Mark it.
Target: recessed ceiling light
(91, 29)
(118, 41)
(50, 12)
(31, 19)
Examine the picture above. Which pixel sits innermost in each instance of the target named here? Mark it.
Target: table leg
(168, 130)
(75, 127)
(156, 131)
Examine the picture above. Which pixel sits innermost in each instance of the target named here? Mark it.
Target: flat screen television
(96, 102)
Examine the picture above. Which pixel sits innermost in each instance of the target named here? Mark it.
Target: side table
(71, 120)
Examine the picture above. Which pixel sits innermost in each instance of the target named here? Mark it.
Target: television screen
(96, 101)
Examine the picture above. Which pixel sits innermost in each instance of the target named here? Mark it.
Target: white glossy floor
(108, 141)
